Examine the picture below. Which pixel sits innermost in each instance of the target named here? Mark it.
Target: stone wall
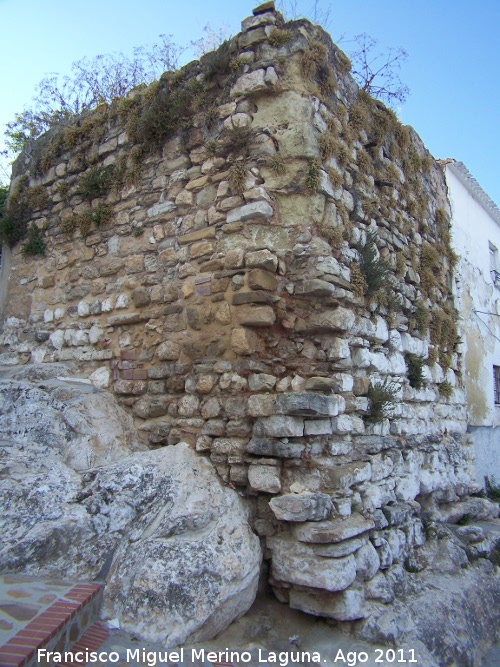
(223, 284)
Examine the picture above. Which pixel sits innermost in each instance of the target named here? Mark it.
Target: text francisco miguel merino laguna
(152, 658)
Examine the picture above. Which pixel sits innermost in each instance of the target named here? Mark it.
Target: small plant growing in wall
(277, 164)
(34, 244)
(95, 182)
(415, 367)
(278, 37)
(313, 176)
(382, 400)
(374, 269)
(237, 177)
(446, 389)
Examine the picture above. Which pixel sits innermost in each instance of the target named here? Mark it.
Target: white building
(476, 240)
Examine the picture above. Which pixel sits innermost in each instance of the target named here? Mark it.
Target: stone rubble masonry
(225, 317)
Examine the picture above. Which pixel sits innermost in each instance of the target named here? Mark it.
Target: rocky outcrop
(182, 559)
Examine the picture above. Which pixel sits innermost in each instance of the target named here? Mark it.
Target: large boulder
(46, 404)
(175, 545)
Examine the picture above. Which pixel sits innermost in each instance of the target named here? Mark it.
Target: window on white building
(494, 264)
(496, 384)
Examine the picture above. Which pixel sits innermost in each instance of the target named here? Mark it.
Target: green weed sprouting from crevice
(277, 164)
(415, 367)
(313, 175)
(16, 213)
(237, 177)
(445, 389)
(279, 37)
(492, 488)
(375, 270)
(34, 244)
(95, 182)
(240, 139)
(382, 400)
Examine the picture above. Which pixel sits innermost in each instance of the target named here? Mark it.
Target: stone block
(367, 561)
(229, 446)
(250, 83)
(330, 574)
(200, 249)
(279, 427)
(343, 606)
(379, 588)
(158, 209)
(262, 259)
(398, 513)
(265, 447)
(259, 296)
(261, 382)
(168, 350)
(347, 475)
(262, 405)
(314, 288)
(264, 478)
(259, 279)
(260, 210)
(256, 316)
(199, 235)
(317, 427)
(320, 384)
(308, 404)
(140, 297)
(340, 549)
(302, 506)
(340, 319)
(244, 341)
(334, 530)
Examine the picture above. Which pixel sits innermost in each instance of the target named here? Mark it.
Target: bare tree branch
(377, 71)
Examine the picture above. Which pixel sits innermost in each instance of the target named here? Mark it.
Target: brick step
(57, 628)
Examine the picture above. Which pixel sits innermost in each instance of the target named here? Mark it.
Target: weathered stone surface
(279, 427)
(262, 259)
(334, 530)
(295, 567)
(345, 476)
(264, 478)
(344, 606)
(256, 316)
(46, 406)
(254, 210)
(168, 351)
(302, 506)
(263, 447)
(314, 288)
(340, 549)
(175, 534)
(249, 83)
(308, 404)
(367, 561)
(340, 319)
(259, 279)
(244, 341)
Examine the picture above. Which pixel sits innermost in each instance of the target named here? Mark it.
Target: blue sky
(452, 70)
